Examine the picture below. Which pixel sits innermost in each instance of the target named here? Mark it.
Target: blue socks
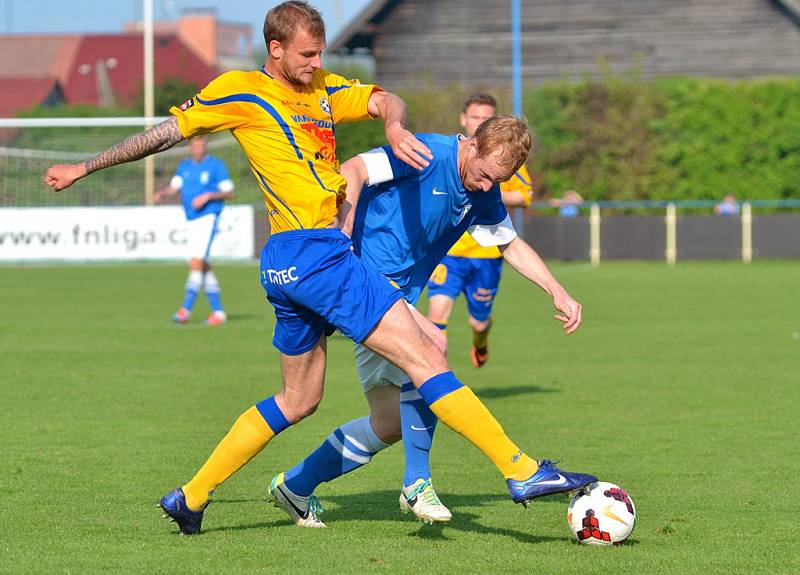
(212, 290)
(347, 448)
(418, 424)
(355, 443)
(194, 284)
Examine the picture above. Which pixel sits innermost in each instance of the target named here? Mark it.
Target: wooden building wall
(437, 43)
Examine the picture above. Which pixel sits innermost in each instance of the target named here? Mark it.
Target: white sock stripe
(356, 443)
(346, 453)
(364, 427)
(211, 283)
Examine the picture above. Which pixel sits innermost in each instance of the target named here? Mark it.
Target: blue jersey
(195, 178)
(405, 224)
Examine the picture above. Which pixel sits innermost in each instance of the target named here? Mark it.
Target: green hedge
(629, 139)
(625, 138)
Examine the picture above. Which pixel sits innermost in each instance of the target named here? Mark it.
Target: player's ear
(463, 120)
(275, 50)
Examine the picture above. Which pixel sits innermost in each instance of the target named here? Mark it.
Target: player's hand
(62, 176)
(570, 311)
(200, 201)
(408, 148)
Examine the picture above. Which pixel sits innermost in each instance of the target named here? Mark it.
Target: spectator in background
(569, 206)
(204, 185)
(728, 206)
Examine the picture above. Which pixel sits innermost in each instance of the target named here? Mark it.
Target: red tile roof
(37, 55)
(73, 60)
(18, 94)
(124, 60)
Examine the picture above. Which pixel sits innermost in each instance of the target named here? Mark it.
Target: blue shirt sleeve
(221, 172)
(399, 168)
(493, 212)
(179, 168)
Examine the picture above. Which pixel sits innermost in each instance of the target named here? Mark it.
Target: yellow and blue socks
(194, 283)
(246, 438)
(418, 424)
(346, 449)
(213, 290)
(442, 325)
(461, 410)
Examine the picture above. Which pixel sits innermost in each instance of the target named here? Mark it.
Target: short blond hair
(285, 19)
(508, 134)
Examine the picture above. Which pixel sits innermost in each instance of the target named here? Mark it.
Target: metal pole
(516, 87)
(149, 100)
(747, 233)
(671, 220)
(594, 235)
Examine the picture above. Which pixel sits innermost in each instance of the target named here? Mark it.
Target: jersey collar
(459, 183)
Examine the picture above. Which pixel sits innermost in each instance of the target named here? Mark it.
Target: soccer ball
(603, 516)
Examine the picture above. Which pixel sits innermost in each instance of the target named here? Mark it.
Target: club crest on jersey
(464, 212)
(187, 104)
(324, 105)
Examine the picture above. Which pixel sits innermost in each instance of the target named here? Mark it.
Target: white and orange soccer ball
(602, 514)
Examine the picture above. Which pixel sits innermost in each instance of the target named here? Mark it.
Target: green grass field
(682, 386)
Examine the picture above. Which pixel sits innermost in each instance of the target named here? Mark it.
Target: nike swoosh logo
(300, 512)
(415, 428)
(436, 192)
(611, 515)
(560, 481)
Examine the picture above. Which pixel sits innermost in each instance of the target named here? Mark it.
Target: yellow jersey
(467, 247)
(288, 137)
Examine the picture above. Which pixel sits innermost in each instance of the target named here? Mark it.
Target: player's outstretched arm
(405, 146)
(355, 172)
(159, 138)
(527, 262)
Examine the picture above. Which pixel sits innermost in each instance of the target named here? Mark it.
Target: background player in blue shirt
(404, 223)
(204, 185)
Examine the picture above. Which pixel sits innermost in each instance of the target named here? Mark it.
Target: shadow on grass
(511, 391)
(382, 506)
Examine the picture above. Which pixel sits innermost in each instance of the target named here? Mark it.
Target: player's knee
(433, 356)
(479, 325)
(387, 428)
(300, 409)
(440, 340)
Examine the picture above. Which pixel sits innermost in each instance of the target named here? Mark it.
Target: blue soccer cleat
(547, 480)
(174, 506)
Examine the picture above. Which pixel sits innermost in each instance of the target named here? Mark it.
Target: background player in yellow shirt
(468, 267)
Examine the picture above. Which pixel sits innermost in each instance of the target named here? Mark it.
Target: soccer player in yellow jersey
(283, 117)
(468, 267)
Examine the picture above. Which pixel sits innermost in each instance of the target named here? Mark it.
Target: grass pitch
(682, 386)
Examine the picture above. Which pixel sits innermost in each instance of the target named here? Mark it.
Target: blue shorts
(316, 285)
(477, 278)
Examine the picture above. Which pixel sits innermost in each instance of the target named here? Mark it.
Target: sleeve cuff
(379, 169)
(494, 235)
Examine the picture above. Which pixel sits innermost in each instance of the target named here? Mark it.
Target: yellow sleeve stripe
(280, 201)
(331, 90)
(253, 99)
(523, 180)
(287, 131)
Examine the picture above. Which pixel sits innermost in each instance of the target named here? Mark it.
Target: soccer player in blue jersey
(204, 185)
(283, 116)
(404, 223)
(468, 267)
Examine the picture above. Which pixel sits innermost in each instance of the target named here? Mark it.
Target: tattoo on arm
(157, 139)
